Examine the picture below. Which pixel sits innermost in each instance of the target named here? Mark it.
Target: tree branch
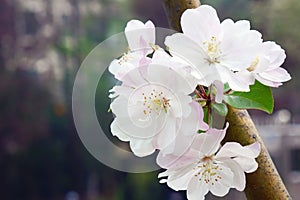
(265, 183)
(174, 9)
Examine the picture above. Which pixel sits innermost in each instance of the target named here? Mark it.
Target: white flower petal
(194, 121)
(140, 35)
(196, 189)
(212, 74)
(161, 58)
(117, 132)
(208, 143)
(219, 189)
(120, 90)
(168, 133)
(239, 45)
(243, 155)
(239, 179)
(179, 179)
(275, 54)
(248, 165)
(234, 149)
(267, 82)
(247, 76)
(234, 81)
(263, 64)
(220, 91)
(180, 183)
(276, 75)
(180, 106)
(185, 48)
(201, 23)
(142, 147)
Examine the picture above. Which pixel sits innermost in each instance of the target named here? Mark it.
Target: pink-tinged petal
(188, 50)
(267, 82)
(275, 54)
(234, 149)
(178, 158)
(171, 161)
(194, 121)
(142, 147)
(134, 77)
(180, 145)
(276, 75)
(239, 179)
(206, 25)
(196, 189)
(139, 34)
(209, 142)
(220, 91)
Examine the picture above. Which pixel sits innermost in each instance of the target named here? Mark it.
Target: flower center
(212, 49)
(155, 102)
(208, 171)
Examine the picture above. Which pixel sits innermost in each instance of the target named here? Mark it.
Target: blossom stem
(209, 115)
(228, 91)
(198, 94)
(203, 92)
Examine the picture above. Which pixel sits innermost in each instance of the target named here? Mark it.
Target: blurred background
(43, 42)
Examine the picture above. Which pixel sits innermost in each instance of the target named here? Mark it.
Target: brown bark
(174, 9)
(265, 183)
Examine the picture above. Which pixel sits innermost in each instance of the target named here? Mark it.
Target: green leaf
(220, 108)
(226, 87)
(260, 97)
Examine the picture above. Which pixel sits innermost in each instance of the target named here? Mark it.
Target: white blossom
(216, 50)
(207, 167)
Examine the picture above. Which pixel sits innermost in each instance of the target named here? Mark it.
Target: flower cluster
(166, 97)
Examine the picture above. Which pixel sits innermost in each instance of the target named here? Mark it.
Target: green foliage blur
(42, 46)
